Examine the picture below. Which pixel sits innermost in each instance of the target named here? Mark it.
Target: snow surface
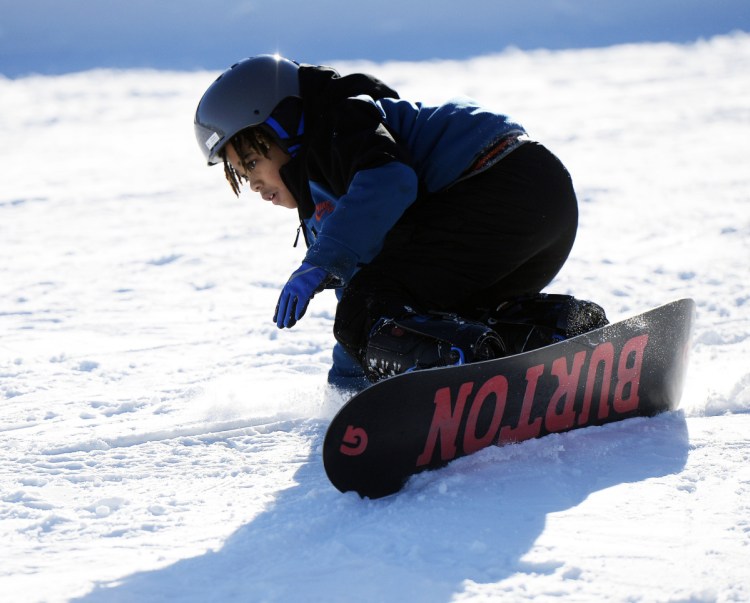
(161, 439)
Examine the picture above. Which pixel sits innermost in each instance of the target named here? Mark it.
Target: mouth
(272, 197)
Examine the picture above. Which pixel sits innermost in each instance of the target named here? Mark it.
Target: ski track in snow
(161, 439)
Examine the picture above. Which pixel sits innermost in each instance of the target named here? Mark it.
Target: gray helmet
(244, 95)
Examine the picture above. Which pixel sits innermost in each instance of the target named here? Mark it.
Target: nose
(254, 184)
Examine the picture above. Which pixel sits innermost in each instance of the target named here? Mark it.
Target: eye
(249, 162)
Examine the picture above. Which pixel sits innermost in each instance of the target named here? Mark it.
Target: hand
(304, 283)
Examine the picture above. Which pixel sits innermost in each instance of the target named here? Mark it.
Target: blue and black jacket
(368, 155)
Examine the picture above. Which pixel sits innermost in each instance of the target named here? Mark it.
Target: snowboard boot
(533, 321)
(418, 342)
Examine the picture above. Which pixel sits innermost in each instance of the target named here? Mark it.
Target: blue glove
(305, 282)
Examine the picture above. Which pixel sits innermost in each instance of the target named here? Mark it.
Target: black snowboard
(425, 419)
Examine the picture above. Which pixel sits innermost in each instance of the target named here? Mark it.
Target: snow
(160, 439)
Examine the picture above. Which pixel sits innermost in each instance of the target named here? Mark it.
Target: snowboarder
(432, 223)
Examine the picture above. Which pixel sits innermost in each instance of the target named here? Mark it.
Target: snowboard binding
(417, 342)
(534, 321)
(522, 324)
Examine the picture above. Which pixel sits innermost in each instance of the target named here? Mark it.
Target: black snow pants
(504, 232)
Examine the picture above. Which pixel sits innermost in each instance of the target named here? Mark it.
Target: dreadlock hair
(249, 139)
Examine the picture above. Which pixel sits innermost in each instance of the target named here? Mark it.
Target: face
(263, 173)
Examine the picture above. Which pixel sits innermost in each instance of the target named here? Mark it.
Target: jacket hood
(321, 90)
(323, 87)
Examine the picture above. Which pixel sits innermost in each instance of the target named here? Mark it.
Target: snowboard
(423, 420)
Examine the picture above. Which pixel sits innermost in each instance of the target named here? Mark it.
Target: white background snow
(160, 439)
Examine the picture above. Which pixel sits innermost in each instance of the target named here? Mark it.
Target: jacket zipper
(301, 228)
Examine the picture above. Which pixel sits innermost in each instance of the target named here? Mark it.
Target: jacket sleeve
(353, 234)
(370, 173)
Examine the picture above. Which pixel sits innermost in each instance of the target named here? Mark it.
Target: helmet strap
(287, 125)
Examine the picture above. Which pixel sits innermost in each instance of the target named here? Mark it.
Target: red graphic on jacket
(323, 209)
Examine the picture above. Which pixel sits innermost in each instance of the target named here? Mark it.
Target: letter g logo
(355, 441)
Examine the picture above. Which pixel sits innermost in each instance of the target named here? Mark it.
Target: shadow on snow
(473, 520)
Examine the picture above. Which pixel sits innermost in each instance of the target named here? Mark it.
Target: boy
(432, 223)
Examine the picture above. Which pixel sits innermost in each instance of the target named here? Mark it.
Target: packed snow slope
(161, 439)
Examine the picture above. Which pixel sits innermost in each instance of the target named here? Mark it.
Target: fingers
(281, 317)
(304, 283)
(300, 309)
(287, 314)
